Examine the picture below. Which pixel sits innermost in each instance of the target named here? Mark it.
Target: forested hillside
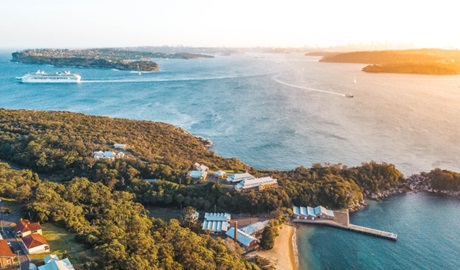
(103, 201)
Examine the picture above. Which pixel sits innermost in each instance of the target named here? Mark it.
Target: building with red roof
(7, 257)
(35, 243)
(24, 228)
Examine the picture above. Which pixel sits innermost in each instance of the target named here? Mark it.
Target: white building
(220, 174)
(200, 172)
(256, 183)
(238, 177)
(119, 146)
(35, 244)
(110, 155)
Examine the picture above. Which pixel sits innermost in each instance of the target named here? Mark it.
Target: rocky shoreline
(415, 183)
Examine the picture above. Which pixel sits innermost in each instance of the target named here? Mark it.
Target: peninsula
(114, 58)
(107, 177)
(417, 61)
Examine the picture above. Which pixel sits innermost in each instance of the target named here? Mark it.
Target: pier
(342, 223)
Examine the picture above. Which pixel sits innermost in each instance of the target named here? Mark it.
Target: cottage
(238, 177)
(24, 228)
(257, 184)
(7, 257)
(200, 172)
(52, 262)
(35, 244)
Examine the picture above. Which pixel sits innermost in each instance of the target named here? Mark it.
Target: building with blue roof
(200, 172)
(215, 226)
(216, 222)
(52, 262)
(247, 241)
(312, 213)
(218, 216)
(255, 227)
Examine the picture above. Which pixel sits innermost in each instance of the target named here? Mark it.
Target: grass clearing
(165, 214)
(61, 242)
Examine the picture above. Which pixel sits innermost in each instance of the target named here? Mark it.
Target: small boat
(349, 95)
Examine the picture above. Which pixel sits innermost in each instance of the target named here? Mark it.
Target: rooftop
(34, 240)
(243, 238)
(217, 216)
(216, 226)
(5, 250)
(300, 210)
(256, 182)
(24, 225)
(56, 264)
(255, 227)
(238, 177)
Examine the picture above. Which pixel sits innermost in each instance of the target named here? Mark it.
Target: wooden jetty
(347, 226)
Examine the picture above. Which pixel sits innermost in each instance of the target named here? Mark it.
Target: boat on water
(43, 77)
(349, 95)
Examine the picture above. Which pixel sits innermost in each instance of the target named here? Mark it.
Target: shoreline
(294, 248)
(285, 242)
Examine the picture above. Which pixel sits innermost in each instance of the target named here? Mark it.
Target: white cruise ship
(43, 77)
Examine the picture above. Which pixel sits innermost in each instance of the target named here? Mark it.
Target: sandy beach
(282, 255)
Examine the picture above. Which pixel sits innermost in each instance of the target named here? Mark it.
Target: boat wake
(140, 79)
(308, 88)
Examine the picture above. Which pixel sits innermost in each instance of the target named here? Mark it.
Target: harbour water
(280, 111)
(428, 232)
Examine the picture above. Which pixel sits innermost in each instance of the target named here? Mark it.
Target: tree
(189, 217)
(268, 238)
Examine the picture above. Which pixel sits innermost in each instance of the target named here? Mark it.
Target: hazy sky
(287, 23)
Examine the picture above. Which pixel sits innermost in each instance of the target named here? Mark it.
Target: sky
(223, 23)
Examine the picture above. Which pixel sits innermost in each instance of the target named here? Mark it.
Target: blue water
(428, 231)
(280, 111)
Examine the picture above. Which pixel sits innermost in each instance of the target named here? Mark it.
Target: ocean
(280, 111)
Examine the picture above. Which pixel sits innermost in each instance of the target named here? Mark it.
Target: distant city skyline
(206, 23)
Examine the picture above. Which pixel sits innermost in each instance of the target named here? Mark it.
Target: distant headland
(417, 61)
(114, 58)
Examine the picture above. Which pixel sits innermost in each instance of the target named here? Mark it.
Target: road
(8, 235)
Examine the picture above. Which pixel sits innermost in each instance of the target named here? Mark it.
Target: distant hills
(417, 61)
